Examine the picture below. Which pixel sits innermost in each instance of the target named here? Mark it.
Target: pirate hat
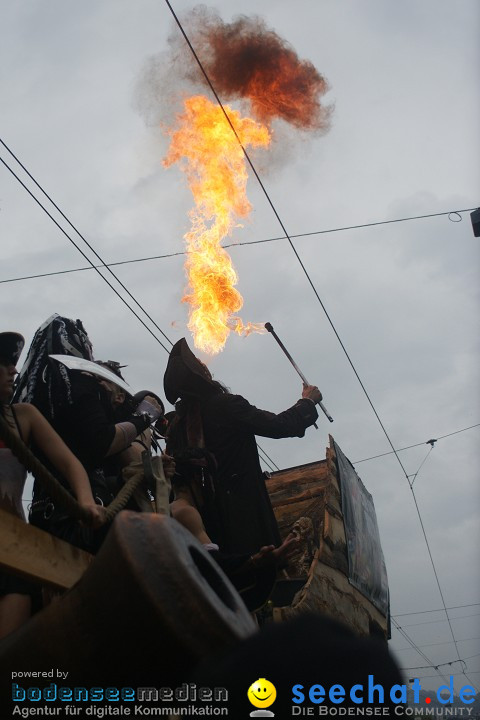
(185, 374)
(11, 346)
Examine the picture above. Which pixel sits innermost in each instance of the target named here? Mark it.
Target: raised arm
(234, 411)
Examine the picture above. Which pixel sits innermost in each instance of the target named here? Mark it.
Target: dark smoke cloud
(244, 59)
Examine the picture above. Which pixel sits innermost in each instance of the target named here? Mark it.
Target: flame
(214, 163)
(249, 63)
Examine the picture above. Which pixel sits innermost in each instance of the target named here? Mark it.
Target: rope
(125, 493)
(54, 487)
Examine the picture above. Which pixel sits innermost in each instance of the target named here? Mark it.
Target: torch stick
(269, 327)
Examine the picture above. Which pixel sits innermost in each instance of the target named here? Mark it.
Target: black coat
(87, 426)
(230, 425)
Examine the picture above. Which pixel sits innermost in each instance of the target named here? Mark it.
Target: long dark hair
(176, 433)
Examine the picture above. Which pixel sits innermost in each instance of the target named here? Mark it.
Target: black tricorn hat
(11, 346)
(185, 374)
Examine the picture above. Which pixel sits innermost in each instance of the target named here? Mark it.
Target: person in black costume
(83, 412)
(88, 425)
(18, 596)
(212, 438)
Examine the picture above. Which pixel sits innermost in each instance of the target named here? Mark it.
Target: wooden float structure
(337, 570)
(35, 555)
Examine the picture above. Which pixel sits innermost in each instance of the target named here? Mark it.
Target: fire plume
(215, 166)
(249, 63)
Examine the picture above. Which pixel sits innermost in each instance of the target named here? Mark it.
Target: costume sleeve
(236, 412)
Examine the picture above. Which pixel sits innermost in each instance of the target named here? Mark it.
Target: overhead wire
(415, 475)
(269, 459)
(32, 195)
(447, 642)
(90, 267)
(434, 622)
(237, 244)
(434, 569)
(424, 667)
(264, 460)
(423, 612)
(408, 447)
(92, 249)
(417, 648)
(472, 672)
(356, 227)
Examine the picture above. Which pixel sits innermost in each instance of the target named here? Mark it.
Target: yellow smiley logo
(262, 693)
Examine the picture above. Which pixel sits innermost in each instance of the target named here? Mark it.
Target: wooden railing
(36, 555)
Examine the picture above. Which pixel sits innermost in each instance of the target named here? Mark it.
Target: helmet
(11, 346)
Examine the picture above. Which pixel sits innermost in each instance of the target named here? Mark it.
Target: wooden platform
(36, 555)
(305, 499)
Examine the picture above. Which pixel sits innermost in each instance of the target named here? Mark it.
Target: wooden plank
(333, 530)
(287, 515)
(334, 555)
(312, 493)
(296, 493)
(36, 555)
(328, 591)
(315, 471)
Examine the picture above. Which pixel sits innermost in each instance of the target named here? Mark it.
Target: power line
(424, 667)
(240, 244)
(355, 227)
(417, 649)
(434, 622)
(262, 458)
(434, 569)
(269, 459)
(472, 672)
(422, 612)
(431, 664)
(415, 475)
(408, 447)
(447, 642)
(90, 267)
(80, 236)
(81, 251)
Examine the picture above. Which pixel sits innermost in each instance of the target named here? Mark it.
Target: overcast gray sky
(403, 297)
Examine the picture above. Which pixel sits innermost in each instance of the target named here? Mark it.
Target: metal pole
(269, 327)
